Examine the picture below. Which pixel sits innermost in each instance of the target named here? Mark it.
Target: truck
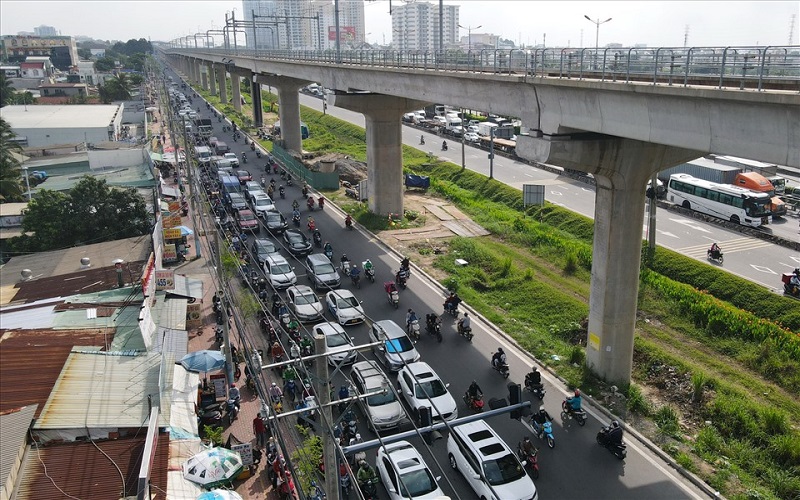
(768, 170)
(504, 132)
(485, 128)
(203, 128)
(434, 110)
(453, 125)
(757, 182)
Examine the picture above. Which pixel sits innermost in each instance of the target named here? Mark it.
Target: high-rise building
(351, 24)
(415, 26)
(45, 31)
(62, 50)
(266, 35)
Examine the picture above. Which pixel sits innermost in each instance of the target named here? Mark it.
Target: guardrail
(760, 68)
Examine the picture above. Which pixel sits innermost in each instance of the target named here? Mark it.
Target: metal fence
(317, 180)
(761, 68)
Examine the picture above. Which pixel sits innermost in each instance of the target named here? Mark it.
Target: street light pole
(597, 24)
(469, 34)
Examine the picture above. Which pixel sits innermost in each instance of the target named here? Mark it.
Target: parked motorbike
(528, 460)
(502, 369)
(714, 256)
(620, 450)
(568, 413)
(475, 404)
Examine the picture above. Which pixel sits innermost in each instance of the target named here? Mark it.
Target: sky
(557, 23)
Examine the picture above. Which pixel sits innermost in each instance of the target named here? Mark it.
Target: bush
(636, 401)
(666, 418)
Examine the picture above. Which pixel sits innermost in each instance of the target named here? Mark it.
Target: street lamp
(469, 34)
(597, 24)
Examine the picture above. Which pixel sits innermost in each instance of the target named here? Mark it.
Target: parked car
(421, 386)
(383, 410)
(297, 242)
(405, 474)
(263, 248)
(243, 176)
(231, 157)
(345, 307)
(338, 345)
(321, 272)
(472, 137)
(305, 303)
(279, 272)
(247, 221)
(395, 349)
(275, 221)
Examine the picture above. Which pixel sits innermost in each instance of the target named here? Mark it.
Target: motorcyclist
(574, 403)
(296, 205)
(275, 393)
(614, 434)
(465, 324)
(411, 316)
(311, 224)
(405, 263)
(474, 391)
(321, 202)
(295, 212)
(452, 302)
(344, 260)
(431, 320)
(401, 276)
(294, 325)
(444, 145)
(794, 281)
(348, 221)
(328, 248)
(244, 157)
(355, 272)
(276, 303)
(368, 266)
(539, 418)
(365, 473)
(294, 350)
(499, 358)
(533, 379)
(715, 250)
(422, 139)
(527, 448)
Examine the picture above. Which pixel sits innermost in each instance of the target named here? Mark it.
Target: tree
(91, 212)
(136, 79)
(23, 98)
(116, 89)
(7, 90)
(105, 64)
(10, 172)
(84, 54)
(136, 61)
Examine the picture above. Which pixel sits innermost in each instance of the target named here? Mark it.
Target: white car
(405, 474)
(472, 137)
(305, 303)
(262, 204)
(338, 345)
(420, 386)
(251, 187)
(279, 272)
(345, 307)
(232, 158)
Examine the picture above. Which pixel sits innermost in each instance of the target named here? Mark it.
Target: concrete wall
(41, 137)
(117, 158)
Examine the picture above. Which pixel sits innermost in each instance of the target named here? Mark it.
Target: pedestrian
(260, 431)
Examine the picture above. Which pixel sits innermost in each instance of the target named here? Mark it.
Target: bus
(731, 203)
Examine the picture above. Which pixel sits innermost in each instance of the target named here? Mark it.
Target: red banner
(346, 33)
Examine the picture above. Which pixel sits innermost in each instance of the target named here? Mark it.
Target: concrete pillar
(236, 91)
(255, 94)
(192, 70)
(212, 79)
(621, 168)
(198, 71)
(288, 109)
(383, 115)
(221, 83)
(203, 77)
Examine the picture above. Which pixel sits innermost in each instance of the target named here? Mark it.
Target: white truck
(453, 125)
(485, 128)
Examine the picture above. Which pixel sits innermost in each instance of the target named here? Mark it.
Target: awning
(172, 314)
(170, 191)
(174, 341)
(156, 156)
(189, 288)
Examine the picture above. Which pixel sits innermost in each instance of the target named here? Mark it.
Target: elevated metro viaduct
(621, 133)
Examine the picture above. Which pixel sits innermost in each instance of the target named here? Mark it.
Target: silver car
(382, 409)
(395, 349)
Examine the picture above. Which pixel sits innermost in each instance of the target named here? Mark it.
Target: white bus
(731, 203)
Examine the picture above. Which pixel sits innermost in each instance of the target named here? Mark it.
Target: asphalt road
(577, 468)
(752, 258)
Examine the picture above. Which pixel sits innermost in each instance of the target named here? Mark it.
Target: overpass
(593, 115)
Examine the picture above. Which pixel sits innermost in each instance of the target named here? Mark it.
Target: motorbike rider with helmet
(533, 379)
(574, 403)
(474, 392)
(452, 302)
(614, 434)
(365, 473)
(498, 358)
(715, 250)
(794, 281)
(538, 419)
(465, 324)
(527, 448)
(411, 316)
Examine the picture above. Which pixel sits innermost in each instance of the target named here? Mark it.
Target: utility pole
(328, 445)
(192, 202)
(463, 141)
(491, 153)
(441, 26)
(338, 35)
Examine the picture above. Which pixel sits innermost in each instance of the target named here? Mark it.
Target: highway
(757, 260)
(577, 468)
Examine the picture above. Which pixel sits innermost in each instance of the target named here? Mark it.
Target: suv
(396, 349)
(487, 463)
(383, 410)
(278, 271)
(231, 157)
(321, 271)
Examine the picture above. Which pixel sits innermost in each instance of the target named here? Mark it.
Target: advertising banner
(346, 33)
(172, 234)
(165, 279)
(170, 253)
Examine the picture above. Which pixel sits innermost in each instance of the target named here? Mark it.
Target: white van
(485, 460)
(203, 154)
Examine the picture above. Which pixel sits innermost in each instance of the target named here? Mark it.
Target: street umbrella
(220, 495)
(203, 361)
(213, 467)
(185, 231)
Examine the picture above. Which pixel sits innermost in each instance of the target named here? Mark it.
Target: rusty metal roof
(83, 471)
(32, 360)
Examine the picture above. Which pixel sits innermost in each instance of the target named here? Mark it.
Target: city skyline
(528, 23)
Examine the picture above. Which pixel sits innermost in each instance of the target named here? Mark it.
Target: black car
(275, 221)
(297, 242)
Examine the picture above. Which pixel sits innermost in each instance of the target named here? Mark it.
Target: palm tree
(6, 91)
(10, 172)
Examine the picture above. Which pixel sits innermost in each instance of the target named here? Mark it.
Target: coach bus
(732, 203)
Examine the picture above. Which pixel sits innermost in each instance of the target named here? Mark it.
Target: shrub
(636, 401)
(698, 384)
(576, 355)
(666, 418)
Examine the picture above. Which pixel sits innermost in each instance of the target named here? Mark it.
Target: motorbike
(444, 146)
(317, 237)
(620, 450)
(290, 390)
(475, 404)
(310, 204)
(434, 328)
(545, 431)
(289, 180)
(305, 190)
(344, 266)
(392, 295)
(258, 153)
(244, 158)
(368, 488)
(369, 272)
(567, 412)
(344, 482)
(329, 253)
(311, 225)
(401, 280)
(788, 288)
(296, 220)
(528, 460)
(465, 332)
(711, 256)
(210, 417)
(252, 146)
(348, 223)
(282, 192)
(349, 419)
(232, 410)
(536, 389)
(413, 329)
(356, 280)
(502, 369)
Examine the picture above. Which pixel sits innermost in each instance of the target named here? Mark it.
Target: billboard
(346, 33)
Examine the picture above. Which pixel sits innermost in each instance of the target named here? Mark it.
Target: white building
(415, 26)
(41, 126)
(45, 31)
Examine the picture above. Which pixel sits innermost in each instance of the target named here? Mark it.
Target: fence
(317, 180)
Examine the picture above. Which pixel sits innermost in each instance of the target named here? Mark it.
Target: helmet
(274, 384)
(409, 309)
(467, 314)
(354, 266)
(500, 350)
(542, 410)
(614, 424)
(534, 369)
(577, 392)
(527, 439)
(473, 383)
(362, 463)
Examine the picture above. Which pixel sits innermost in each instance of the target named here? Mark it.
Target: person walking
(260, 431)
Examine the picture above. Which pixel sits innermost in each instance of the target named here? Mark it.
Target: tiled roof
(32, 360)
(84, 471)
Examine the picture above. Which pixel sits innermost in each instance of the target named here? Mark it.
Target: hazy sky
(654, 23)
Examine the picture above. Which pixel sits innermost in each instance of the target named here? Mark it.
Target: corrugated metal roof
(187, 287)
(128, 333)
(31, 362)
(84, 471)
(174, 341)
(104, 390)
(170, 313)
(14, 425)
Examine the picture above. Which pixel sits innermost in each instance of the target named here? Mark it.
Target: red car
(247, 221)
(244, 176)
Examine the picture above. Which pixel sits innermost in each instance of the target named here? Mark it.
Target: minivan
(487, 463)
(220, 148)
(322, 272)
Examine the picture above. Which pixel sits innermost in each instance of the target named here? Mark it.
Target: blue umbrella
(219, 495)
(185, 231)
(203, 361)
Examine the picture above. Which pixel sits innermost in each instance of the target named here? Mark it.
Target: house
(36, 69)
(63, 89)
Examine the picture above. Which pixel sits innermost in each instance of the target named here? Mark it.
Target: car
(420, 386)
(236, 201)
(395, 348)
(297, 242)
(338, 344)
(382, 409)
(487, 463)
(252, 195)
(305, 303)
(275, 221)
(251, 187)
(262, 204)
(345, 307)
(231, 157)
(472, 137)
(321, 272)
(405, 474)
(247, 221)
(278, 271)
(243, 176)
(473, 127)
(263, 248)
